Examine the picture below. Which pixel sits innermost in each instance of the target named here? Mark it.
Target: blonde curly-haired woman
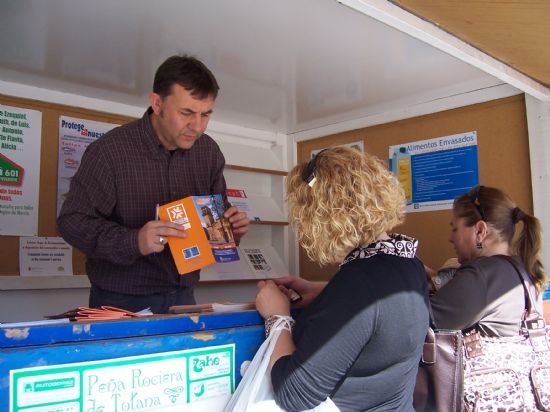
(359, 338)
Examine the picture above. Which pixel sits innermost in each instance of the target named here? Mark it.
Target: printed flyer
(44, 256)
(74, 137)
(20, 142)
(209, 235)
(434, 172)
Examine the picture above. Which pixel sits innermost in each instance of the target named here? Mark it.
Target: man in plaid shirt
(109, 212)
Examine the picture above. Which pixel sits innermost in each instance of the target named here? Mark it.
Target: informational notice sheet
(170, 381)
(39, 256)
(434, 172)
(20, 142)
(74, 137)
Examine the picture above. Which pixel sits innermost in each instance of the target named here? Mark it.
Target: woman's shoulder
(489, 267)
(490, 262)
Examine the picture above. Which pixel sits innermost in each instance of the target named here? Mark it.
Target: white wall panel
(538, 122)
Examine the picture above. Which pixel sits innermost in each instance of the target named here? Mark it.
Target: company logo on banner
(434, 172)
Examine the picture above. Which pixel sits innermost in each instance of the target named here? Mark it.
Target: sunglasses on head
(473, 194)
(308, 174)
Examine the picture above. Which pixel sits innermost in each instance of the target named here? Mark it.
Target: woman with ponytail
(486, 292)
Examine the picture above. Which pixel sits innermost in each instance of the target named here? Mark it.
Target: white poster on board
(44, 256)
(74, 137)
(20, 139)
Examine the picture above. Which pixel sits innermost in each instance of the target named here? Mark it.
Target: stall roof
(284, 66)
(515, 32)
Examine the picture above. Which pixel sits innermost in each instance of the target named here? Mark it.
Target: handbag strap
(533, 324)
(530, 306)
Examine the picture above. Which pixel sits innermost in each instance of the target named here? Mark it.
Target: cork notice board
(503, 157)
(9, 245)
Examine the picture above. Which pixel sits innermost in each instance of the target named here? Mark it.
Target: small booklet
(209, 235)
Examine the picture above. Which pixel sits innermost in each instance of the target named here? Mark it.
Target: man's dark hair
(188, 72)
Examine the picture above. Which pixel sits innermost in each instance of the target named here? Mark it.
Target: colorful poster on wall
(20, 138)
(74, 137)
(434, 172)
(187, 380)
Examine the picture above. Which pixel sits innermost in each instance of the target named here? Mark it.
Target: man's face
(179, 119)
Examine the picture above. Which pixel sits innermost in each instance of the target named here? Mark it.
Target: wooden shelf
(268, 222)
(256, 170)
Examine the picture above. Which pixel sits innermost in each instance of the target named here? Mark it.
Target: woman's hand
(270, 300)
(307, 289)
(430, 274)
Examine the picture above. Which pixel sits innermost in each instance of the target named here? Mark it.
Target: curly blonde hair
(353, 201)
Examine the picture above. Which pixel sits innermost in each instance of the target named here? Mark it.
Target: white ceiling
(283, 65)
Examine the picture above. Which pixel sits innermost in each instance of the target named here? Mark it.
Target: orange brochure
(193, 252)
(209, 235)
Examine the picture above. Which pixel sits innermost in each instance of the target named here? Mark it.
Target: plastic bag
(254, 393)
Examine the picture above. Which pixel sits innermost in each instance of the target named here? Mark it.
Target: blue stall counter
(183, 363)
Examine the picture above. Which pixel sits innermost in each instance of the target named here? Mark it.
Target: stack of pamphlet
(82, 314)
(213, 307)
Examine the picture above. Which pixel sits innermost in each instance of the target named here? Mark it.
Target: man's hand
(239, 221)
(152, 237)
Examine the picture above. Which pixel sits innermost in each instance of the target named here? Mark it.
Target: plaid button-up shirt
(121, 178)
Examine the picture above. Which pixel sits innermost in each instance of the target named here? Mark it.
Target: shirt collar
(149, 135)
(397, 245)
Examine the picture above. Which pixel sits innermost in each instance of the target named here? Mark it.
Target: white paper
(45, 256)
(74, 137)
(256, 262)
(232, 307)
(229, 268)
(260, 260)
